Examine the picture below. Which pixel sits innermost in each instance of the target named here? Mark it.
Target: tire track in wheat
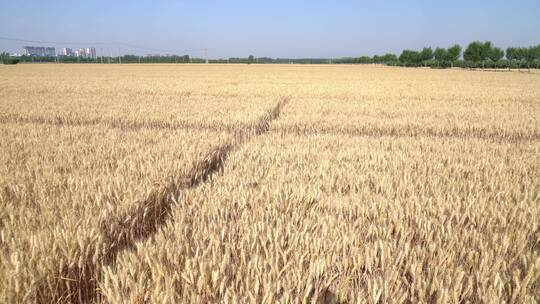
(122, 231)
(409, 130)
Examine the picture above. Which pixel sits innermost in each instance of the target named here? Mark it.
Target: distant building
(89, 52)
(80, 52)
(39, 51)
(68, 52)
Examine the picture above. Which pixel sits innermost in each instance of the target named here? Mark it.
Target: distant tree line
(268, 60)
(159, 59)
(112, 59)
(379, 59)
(477, 54)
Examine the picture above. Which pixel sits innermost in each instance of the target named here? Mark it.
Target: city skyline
(35, 50)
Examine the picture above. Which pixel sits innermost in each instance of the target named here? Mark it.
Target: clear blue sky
(273, 28)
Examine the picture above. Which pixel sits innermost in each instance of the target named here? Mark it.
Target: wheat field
(268, 184)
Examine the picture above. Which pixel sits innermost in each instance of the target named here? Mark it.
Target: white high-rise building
(79, 52)
(90, 52)
(67, 52)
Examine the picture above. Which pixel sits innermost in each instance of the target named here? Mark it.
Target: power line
(52, 42)
(113, 43)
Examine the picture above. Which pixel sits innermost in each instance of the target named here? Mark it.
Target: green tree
(521, 53)
(251, 59)
(473, 52)
(477, 51)
(485, 52)
(529, 56)
(410, 57)
(364, 59)
(495, 55)
(453, 53)
(389, 58)
(536, 54)
(511, 53)
(440, 55)
(4, 56)
(386, 58)
(426, 54)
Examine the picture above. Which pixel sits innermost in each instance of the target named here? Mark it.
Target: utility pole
(206, 55)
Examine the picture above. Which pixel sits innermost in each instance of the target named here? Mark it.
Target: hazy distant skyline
(273, 29)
